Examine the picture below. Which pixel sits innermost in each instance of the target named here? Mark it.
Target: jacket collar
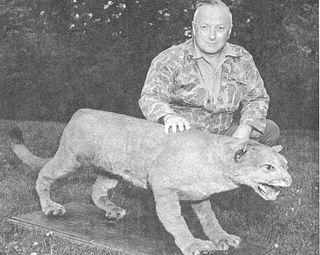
(229, 50)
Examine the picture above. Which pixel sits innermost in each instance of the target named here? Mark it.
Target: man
(202, 82)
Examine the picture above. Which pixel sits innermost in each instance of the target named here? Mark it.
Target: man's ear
(193, 28)
(241, 152)
(277, 148)
(229, 33)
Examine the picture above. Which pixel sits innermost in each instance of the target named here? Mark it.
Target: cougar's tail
(17, 145)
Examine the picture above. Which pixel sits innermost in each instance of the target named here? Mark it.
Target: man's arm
(157, 89)
(156, 93)
(255, 104)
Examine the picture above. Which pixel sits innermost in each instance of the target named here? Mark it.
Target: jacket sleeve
(155, 95)
(255, 102)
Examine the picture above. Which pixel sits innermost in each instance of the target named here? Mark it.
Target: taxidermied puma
(190, 165)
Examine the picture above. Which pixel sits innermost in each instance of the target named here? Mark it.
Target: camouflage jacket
(174, 85)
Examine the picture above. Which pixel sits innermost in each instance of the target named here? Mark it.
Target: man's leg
(270, 136)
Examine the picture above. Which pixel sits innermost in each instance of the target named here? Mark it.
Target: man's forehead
(210, 13)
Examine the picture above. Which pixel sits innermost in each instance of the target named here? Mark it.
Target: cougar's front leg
(60, 165)
(101, 199)
(169, 213)
(212, 228)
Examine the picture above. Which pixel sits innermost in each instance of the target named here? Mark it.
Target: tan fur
(191, 165)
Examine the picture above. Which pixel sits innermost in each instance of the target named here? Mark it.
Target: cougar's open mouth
(268, 192)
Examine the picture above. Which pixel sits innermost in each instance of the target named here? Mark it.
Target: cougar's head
(261, 167)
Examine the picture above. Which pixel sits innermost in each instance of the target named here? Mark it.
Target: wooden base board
(86, 224)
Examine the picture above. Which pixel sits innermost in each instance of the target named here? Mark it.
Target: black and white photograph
(159, 127)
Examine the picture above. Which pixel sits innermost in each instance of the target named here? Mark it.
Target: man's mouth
(268, 192)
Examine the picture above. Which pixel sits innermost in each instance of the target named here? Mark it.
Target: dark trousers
(270, 136)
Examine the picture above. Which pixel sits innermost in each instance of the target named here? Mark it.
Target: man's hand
(243, 132)
(174, 121)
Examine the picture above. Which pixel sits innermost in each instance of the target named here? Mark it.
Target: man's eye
(204, 27)
(221, 28)
(269, 167)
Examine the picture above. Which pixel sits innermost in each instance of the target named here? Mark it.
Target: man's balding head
(211, 26)
(214, 3)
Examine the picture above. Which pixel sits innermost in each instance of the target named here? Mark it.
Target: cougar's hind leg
(101, 198)
(63, 163)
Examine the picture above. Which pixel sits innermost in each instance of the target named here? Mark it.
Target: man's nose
(212, 34)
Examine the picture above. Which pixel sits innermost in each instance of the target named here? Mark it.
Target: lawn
(287, 226)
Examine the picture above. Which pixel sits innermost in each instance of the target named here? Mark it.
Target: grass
(287, 226)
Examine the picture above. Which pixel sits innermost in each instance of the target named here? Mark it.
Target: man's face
(211, 28)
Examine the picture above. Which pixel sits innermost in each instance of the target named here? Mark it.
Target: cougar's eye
(269, 167)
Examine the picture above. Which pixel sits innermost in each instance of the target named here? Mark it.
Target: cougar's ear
(277, 148)
(240, 152)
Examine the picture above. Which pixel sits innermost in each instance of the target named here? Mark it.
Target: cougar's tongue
(269, 192)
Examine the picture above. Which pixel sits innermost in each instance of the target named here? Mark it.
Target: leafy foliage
(58, 56)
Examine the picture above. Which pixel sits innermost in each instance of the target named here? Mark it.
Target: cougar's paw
(115, 213)
(198, 247)
(53, 209)
(225, 242)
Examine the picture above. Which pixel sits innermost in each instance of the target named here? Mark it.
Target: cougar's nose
(287, 180)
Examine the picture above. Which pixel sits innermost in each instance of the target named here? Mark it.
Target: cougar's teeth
(263, 188)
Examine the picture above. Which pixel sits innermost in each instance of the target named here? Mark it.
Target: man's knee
(271, 134)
